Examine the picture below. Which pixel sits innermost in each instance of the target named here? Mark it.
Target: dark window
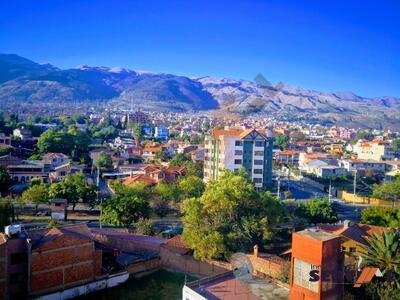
(258, 171)
(238, 143)
(259, 153)
(258, 162)
(352, 249)
(17, 278)
(257, 180)
(238, 152)
(18, 258)
(259, 143)
(238, 161)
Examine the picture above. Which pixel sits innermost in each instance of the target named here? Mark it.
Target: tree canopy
(5, 179)
(104, 162)
(381, 216)
(126, 207)
(388, 191)
(191, 186)
(230, 216)
(317, 211)
(36, 194)
(192, 168)
(73, 188)
(281, 141)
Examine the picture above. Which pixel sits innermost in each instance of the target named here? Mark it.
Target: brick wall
(64, 262)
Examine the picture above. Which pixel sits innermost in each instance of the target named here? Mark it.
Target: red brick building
(40, 262)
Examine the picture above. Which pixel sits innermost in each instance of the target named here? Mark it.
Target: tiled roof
(366, 276)
(142, 178)
(175, 244)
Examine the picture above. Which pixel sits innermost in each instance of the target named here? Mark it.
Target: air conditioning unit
(12, 230)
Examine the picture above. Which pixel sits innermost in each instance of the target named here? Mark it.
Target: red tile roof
(176, 244)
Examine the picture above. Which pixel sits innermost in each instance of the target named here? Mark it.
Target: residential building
(233, 149)
(22, 133)
(5, 140)
(25, 171)
(40, 262)
(161, 132)
(288, 157)
(316, 266)
(353, 165)
(139, 117)
(375, 150)
(55, 159)
(60, 172)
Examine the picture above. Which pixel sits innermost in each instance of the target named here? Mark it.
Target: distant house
(374, 150)
(288, 157)
(25, 171)
(5, 140)
(55, 159)
(23, 133)
(161, 133)
(360, 165)
(60, 172)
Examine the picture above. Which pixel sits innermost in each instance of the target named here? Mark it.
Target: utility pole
(279, 188)
(330, 189)
(355, 182)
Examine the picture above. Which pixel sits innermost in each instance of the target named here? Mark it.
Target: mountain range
(22, 80)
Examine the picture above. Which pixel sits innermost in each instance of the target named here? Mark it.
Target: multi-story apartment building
(233, 149)
(375, 150)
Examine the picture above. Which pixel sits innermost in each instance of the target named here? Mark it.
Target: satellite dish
(242, 267)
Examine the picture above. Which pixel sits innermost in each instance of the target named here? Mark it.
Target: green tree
(5, 179)
(191, 186)
(137, 131)
(6, 212)
(383, 252)
(381, 216)
(35, 181)
(54, 140)
(388, 191)
(161, 156)
(124, 210)
(5, 150)
(36, 194)
(144, 226)
(73, 188)
(192, 168)
(317, 211)
(104, 162)
(167, 192)
(160, 207)
(230, 216)
(281, 141)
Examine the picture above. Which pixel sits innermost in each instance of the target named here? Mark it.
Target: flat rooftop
(317, 234)
(226, 286)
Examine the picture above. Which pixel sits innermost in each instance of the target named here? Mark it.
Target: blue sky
(324, 45)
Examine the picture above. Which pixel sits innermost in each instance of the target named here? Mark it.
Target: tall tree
(6, 212)
(230, 216)
(73, 188)
(5, 179)
(104, 162)
(191, 186)
(124, 210)
(381, 216)
(36, 194)
(317, 211)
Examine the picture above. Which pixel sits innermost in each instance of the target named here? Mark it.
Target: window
(238, 152)
(352, 249)
(257, 180)
(18, 258)
(258, 162)
(259, 153)
(259, 143)
(17, 278)
(238, 143)
(258, 171)
(238, 161)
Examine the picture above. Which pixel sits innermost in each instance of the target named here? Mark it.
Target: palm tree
(383, 252)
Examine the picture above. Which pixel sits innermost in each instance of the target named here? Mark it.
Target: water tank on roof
(12, 230)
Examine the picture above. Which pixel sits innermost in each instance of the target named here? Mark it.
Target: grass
(161, 284)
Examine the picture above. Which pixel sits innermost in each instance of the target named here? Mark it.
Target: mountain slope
(24, 81)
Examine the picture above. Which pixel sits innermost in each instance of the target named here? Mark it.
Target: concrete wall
(350, 197)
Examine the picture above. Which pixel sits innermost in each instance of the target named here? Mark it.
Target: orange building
(316, 266)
